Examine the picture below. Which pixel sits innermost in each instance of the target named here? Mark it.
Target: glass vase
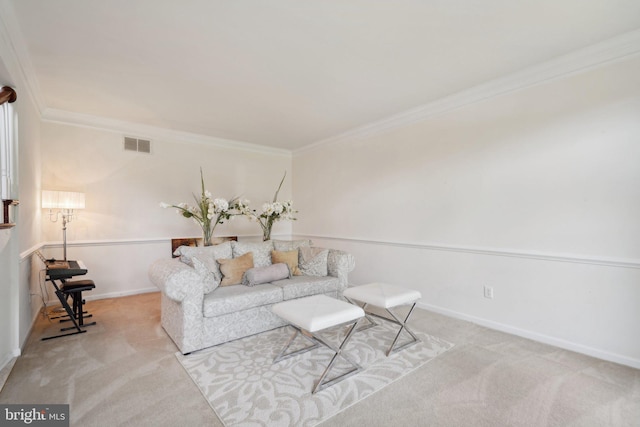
(207, 232)
(266, 229)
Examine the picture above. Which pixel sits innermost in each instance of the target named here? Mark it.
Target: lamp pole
(64, 234)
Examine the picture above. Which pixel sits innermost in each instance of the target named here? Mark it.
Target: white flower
(243, 205)
(208, 212)
(221, 205)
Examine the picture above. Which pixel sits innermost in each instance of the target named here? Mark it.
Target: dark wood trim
(7, 94)
(197, 241)
(5, 210)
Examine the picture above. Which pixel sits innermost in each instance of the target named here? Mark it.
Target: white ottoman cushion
(317, 312)
(382, 294)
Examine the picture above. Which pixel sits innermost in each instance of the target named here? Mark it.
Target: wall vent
(135, 144)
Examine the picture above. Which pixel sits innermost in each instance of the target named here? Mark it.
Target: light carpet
(245, 388)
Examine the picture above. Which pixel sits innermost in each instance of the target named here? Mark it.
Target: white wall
(534, 193)
(123, 229)
(29, 211)
(8, 299)
(16, 302)
(8, 244)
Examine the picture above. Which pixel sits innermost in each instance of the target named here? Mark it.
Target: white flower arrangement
(271, 212)
(208, 212)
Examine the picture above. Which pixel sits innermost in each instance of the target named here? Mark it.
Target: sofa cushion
(289, 245)
(223, 250)
(302, 286)
(261, 251)
(236, 298)
(288, 257)
(233, 269)
(209, 278)
(313, 261)
(259, 275)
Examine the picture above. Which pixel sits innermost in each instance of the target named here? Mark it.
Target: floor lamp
(62, 204)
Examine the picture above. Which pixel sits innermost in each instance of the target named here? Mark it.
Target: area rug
(245, 388)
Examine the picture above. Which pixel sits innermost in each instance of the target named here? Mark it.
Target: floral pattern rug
(245, 388)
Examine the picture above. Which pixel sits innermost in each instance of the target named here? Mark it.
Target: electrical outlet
(488, 292)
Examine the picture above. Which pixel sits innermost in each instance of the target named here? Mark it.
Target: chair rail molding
(124, 242)
(502, 252)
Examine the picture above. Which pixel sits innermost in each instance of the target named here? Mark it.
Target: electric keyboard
(60, 271)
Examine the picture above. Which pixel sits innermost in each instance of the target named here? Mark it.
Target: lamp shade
(62, 200)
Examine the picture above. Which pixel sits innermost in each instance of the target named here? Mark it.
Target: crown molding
(606, 52)
(20, 66)
(153, 132)
(18, 61)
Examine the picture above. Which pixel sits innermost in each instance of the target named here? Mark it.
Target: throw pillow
(261, 251)
(289, 245)
(288, 257)
(234, 268)
(314, 261)
(209, 278)
(186, 253)
(260, 275)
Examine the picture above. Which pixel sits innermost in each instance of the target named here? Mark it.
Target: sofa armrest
(176, 279)
(340, 264)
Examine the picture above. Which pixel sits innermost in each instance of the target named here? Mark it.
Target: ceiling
(288, 73)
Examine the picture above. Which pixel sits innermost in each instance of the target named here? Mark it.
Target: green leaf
(275, 197)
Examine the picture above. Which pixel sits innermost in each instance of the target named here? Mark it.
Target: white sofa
(197, 312)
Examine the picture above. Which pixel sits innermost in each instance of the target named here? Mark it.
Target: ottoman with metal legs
(311, 315)
(385, 297)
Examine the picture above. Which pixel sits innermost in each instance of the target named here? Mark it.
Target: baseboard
(6, 358)
(122, 294)
(6, 365)
(546, 339)
(33, 323)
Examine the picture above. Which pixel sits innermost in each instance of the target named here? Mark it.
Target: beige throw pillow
(233, 269)
(288, 257)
